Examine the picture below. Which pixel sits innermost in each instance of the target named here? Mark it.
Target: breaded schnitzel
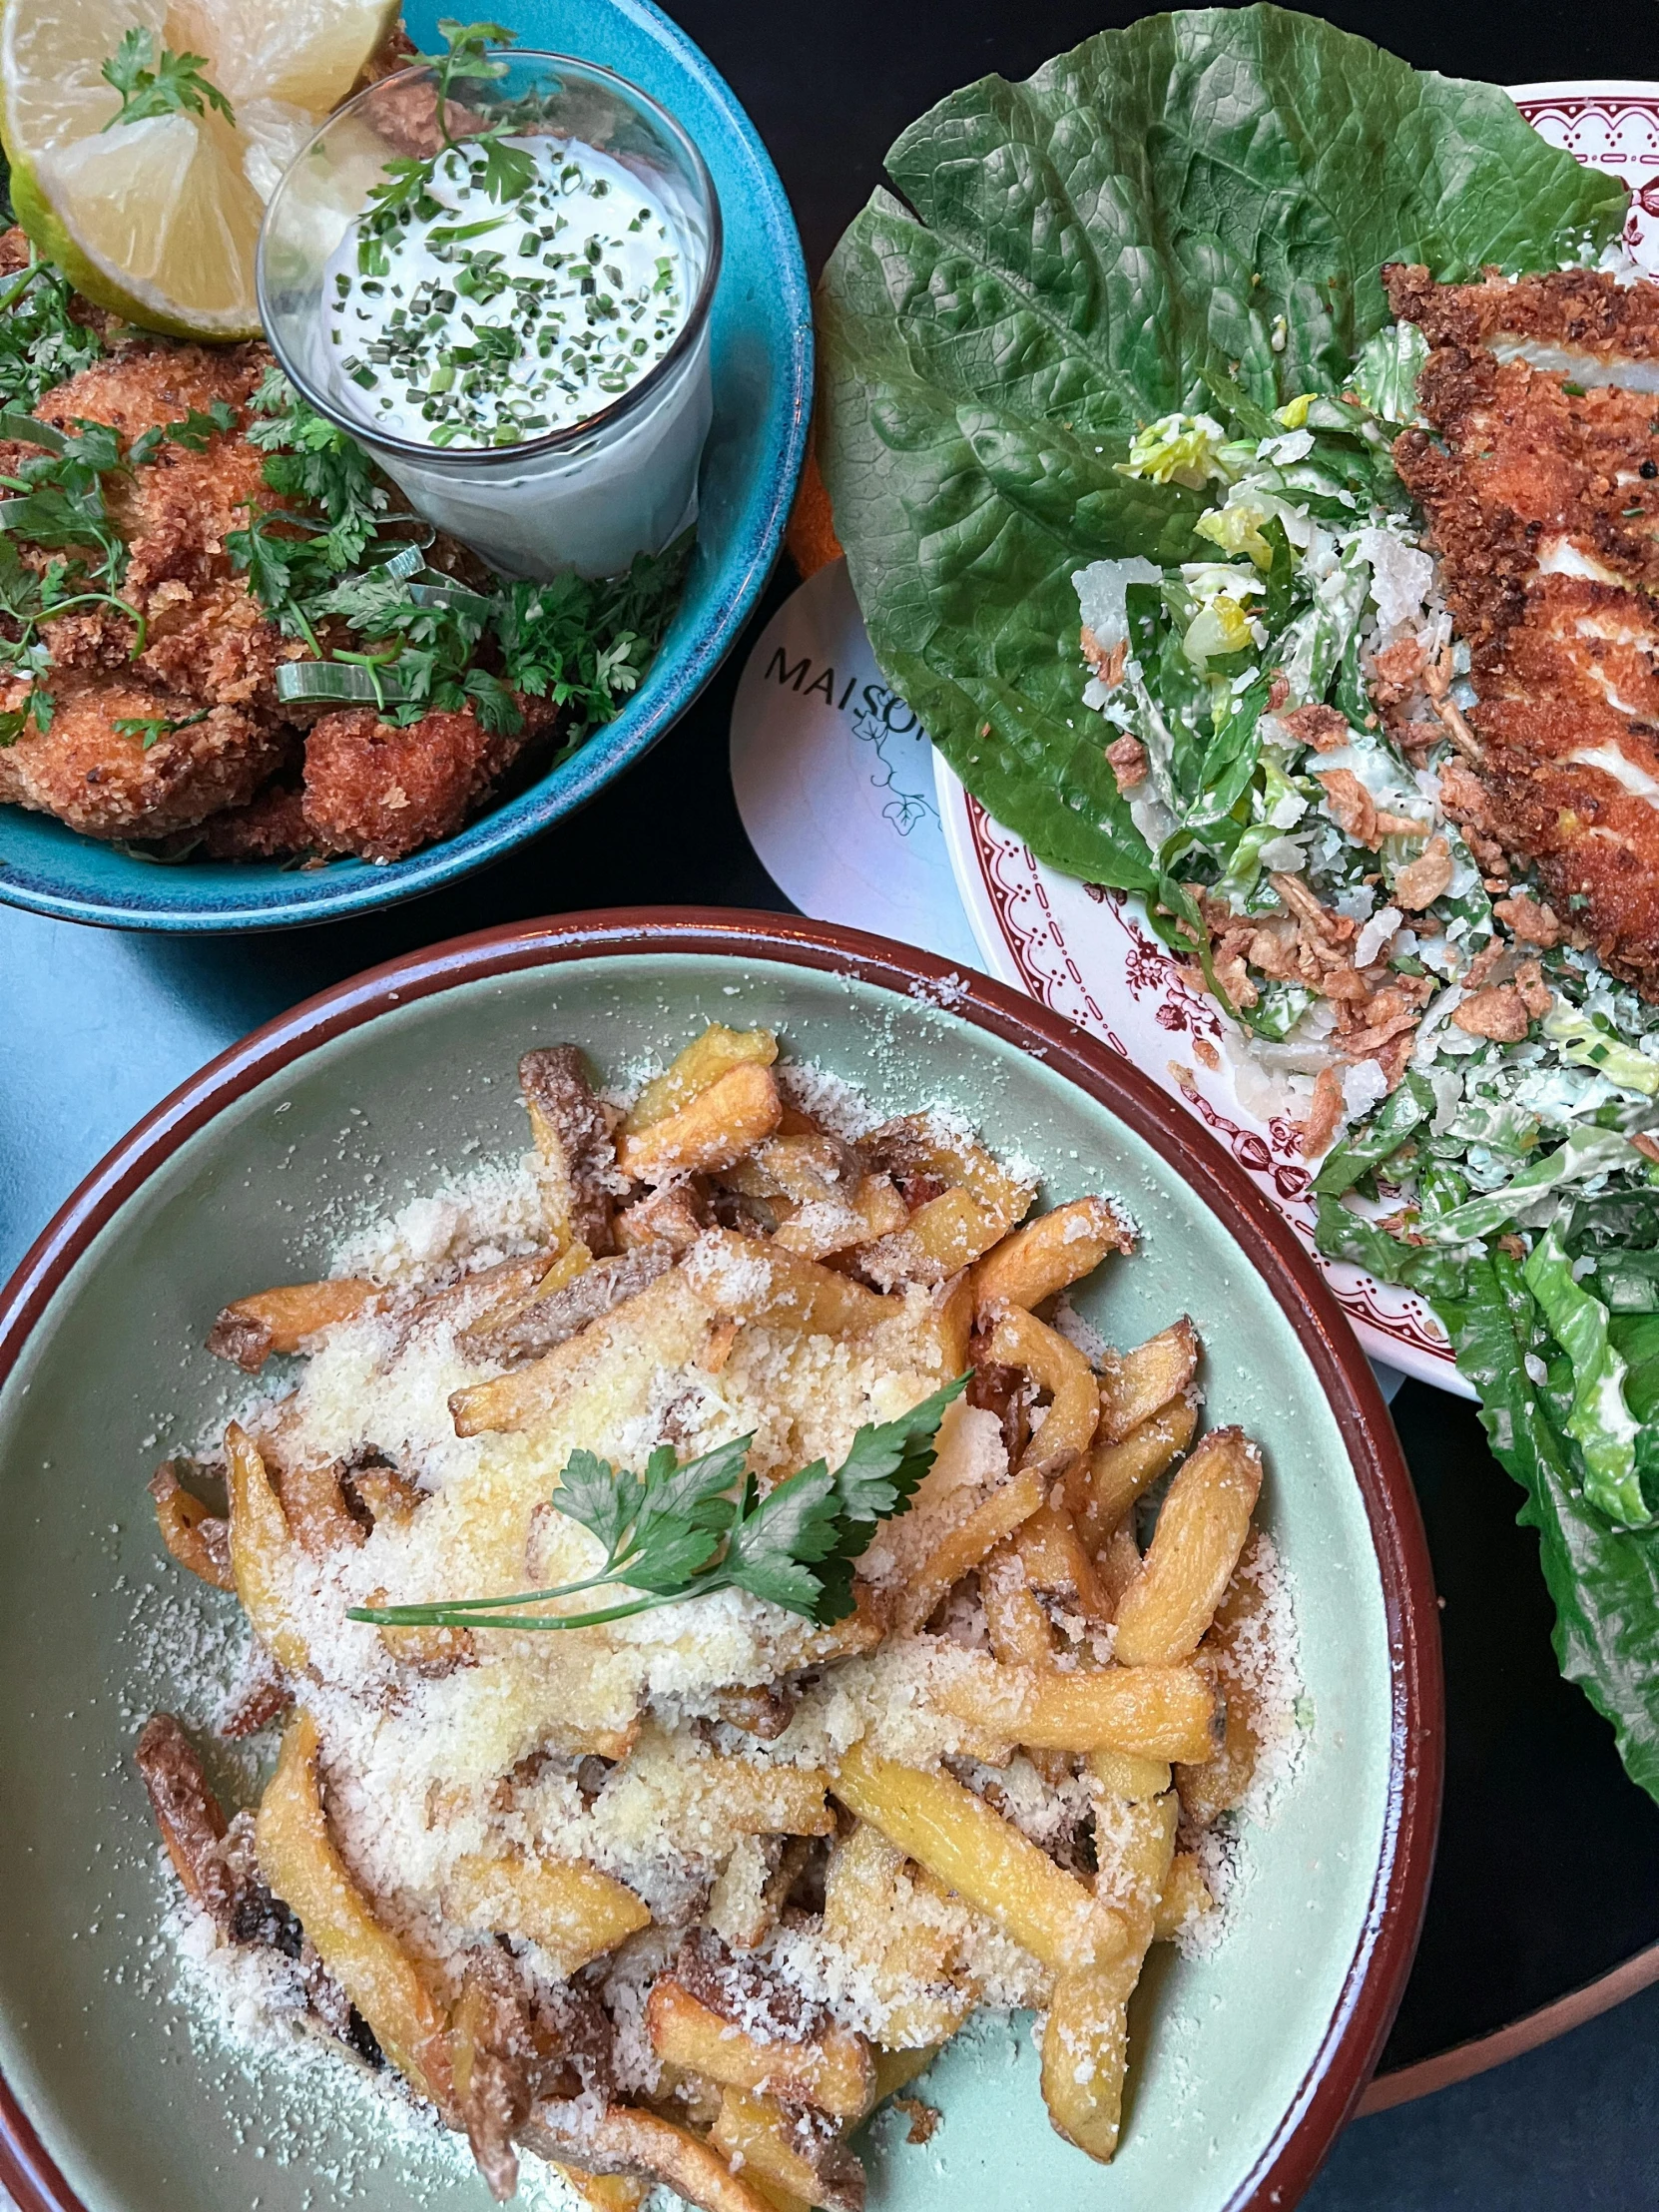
(1540, 483)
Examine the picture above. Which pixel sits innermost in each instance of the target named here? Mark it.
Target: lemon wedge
(157, 218)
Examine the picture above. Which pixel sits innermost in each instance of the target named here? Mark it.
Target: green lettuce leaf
(1599, 1421)
(1603, 1580)
(1206, 194)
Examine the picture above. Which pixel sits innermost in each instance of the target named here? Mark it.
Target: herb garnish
(41, 344)
(674, 1533)
(579, 643)
(57, 504)
(153, 727)
(153, 83)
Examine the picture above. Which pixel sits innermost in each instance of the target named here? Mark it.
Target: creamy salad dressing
(462, 320)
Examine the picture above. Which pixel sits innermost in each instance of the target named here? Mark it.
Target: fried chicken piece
(109, 785)
(272, 826)
(1541, 488)
(382, 792)
(206, 634)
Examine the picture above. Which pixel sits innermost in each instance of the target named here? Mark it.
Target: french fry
(1135, 1846)
(1046, 1255)
(1155, 1712)
(314, 1508)
(190, 1817)
(713, 1130)
(870, 1912)
(1019, 1340)
(1185, 1898)
(573, 1133)
(300, 1862)
(573, 1910)
(628, 2141)
(1086, 2039)
(1202, 1527)
(1118, 1561)
(790, 2149)
(1086, 2053)
(1054, 1559)
(833, 2071)
(985, 1859)
(960, 1550)
(1136, 1383)
(1219, 1783)
(823, 1227)
(748, 1893)
(264, 1555)
(663, 1326)
(897, 2069)
(1102, 1488)
(392, 1499)
(753, 1282)
(250, 1330)
(942, 1236)
(920, 1143)
(605, 2192)
(701, 1065)
(429, 1650)
(521, 1287)
(1125, 1774)
(197, 1538)
(1019, 1630)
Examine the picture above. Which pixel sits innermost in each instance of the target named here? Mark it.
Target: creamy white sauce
(462, 319)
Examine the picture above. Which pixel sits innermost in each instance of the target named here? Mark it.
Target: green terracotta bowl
(1247, 2060)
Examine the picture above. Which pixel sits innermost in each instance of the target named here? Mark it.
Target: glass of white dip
(508, 309)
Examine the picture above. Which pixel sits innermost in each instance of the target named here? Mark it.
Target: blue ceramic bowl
(762, 374)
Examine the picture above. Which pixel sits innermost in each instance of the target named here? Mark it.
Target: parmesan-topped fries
(713, 1641)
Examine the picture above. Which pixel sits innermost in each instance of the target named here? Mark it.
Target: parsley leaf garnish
(678, 1532)
(153, 727)
(41, 344)
(155, 82)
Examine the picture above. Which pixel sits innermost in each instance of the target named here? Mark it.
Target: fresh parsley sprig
(41, 344)
(677, 1532)
(153, 727)
(151, 81)
(508, 169)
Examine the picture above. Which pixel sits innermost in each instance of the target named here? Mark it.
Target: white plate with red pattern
(1089, 953)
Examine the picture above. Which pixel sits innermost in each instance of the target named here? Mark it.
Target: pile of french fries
(1096, 1662)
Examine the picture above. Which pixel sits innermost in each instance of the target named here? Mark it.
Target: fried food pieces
(164, 714)
(382, 792)
(1541, 482)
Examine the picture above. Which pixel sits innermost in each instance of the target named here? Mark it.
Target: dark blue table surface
(1549, 1868)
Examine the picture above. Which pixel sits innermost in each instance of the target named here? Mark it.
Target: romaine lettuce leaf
(1599, 1421)
(1206, 193)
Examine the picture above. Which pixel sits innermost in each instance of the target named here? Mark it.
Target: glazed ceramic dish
(763, 374)
(1250, 2057)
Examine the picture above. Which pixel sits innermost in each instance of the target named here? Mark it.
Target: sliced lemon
(158, 219)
